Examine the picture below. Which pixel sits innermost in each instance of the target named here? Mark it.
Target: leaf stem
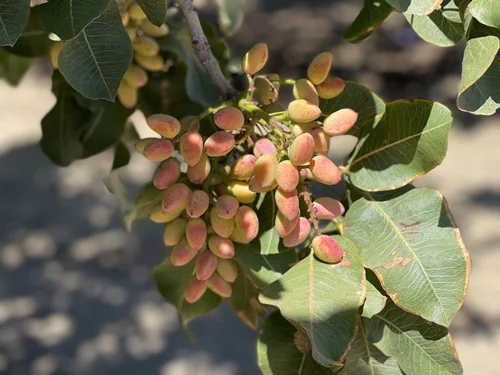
(287, 82)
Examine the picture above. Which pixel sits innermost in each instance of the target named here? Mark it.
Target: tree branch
(203, 51)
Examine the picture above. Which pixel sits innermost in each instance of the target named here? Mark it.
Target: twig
(203, 51)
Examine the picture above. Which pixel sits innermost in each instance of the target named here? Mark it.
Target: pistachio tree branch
(203, 51)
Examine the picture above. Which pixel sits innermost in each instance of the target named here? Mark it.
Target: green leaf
(13, 18)
(268, 240)
(171, 282)
(113, 182)
(76, 128)
(360, 99)
(241, 300)
(486, 11)
(156, 10)
(66, 18)
(231, 15)
(263, 269)
(95, 61)
(13, 67)
(199, 87)
(418, 7)
(148, 198)
(442, 27)
(62, 126)
(375, 301)
(365, 359)
(415, 249)
(479, 91)
(323, 300)
(278, 354)
(409, 141)
(33, 41)
(368, 20)
(420, 347)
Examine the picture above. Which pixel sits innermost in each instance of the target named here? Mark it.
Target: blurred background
(76, 291)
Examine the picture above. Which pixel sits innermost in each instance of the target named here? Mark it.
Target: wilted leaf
(368, 20)
(13, 18)
(95, 61)
(244, 292)
(442, 27)
(66, 18)
(278, 353)
(409, 141)
(415, 249)
(360, 99)
(324, 300)
(171, 282)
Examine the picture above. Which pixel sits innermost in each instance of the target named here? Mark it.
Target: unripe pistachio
(186, 123)
(328, 208)
(321, 141)
(145, 46)
(54, 51)
(340, 122)
(319, 68)
(152, 30)
(264, 91)
(222, 247)
(219, 286)
(141, 144)
(265, 170)
(200, 171)
(304, 89)
(127, 95)
(229, 118)
(219, 144)
(176, 198)
(255, 59)
(151, 63)
(275, 80)
(325, 170)
(167, 174)
(287, 203)
(301, 110)
(246, 224)
(196, 233)
(159, 150)
(132, 32)
(136, 12)
(191, 147)
(242, 192)
(298, 234)
(198, 204)
(287, 176)
(223, 227)
(243, 167)
(302, 149)
(158, 216)
(174, 231)
(125, 18)
(194, 290)
(205, 265)
(285, 226)
(327, 249)
(330, 88)
(263, 146)
(182, 253)
(135, 76)
(165, 125)
(227, 269)
(226, 206)
(306, 174)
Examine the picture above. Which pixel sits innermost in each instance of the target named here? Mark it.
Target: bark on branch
(203, 51)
